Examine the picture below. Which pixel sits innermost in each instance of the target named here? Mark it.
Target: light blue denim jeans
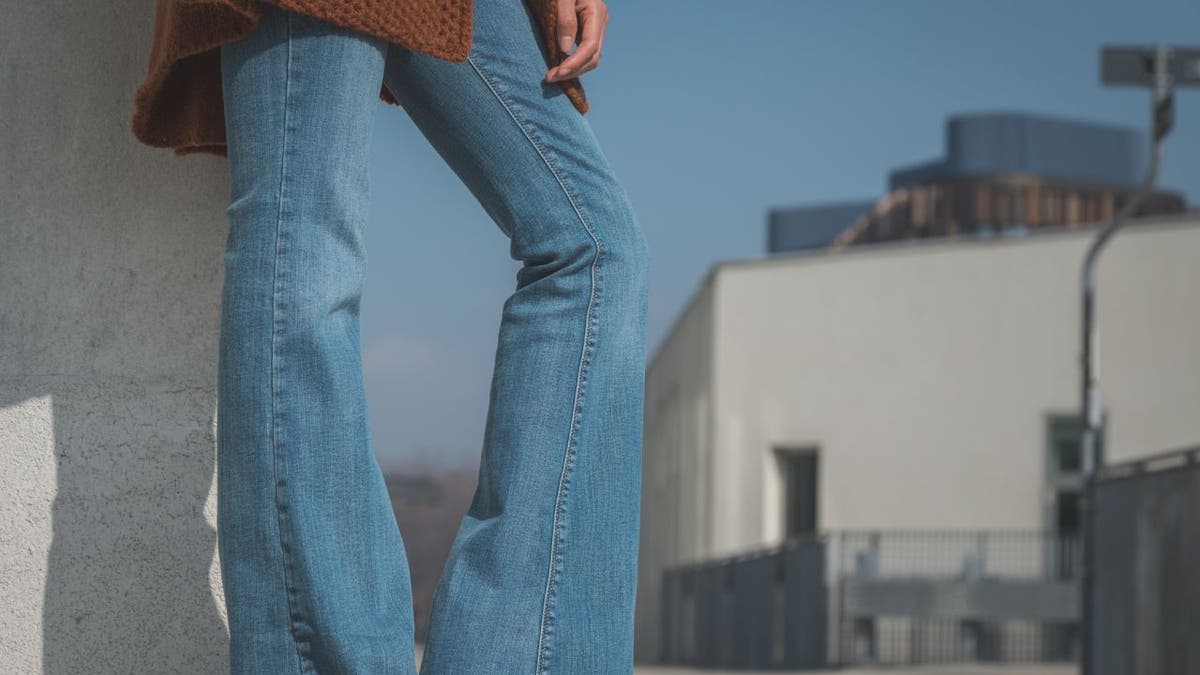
(541, 577)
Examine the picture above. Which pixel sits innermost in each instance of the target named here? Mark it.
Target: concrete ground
(954, 669)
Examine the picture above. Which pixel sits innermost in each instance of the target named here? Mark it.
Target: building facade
(901, 387)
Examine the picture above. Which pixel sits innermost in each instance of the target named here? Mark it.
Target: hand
(588, 18)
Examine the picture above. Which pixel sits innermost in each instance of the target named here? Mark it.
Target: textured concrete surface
(109, 308)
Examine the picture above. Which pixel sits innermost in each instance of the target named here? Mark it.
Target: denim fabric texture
(541, 577)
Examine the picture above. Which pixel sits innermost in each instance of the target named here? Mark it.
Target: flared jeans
(542, 573)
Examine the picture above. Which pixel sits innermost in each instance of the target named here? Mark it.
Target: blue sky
(711, 113)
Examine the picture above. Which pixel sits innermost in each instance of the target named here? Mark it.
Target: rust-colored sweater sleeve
(546, 13)
(179, 104)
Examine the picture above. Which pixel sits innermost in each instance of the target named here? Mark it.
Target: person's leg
(541, 577)
(315, 574)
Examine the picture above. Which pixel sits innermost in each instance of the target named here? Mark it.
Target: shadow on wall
(127, 579)
(110, 265)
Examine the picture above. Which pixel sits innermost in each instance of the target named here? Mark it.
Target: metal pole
(1093, 456)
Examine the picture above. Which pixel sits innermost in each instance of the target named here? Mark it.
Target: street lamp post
(1161, 69)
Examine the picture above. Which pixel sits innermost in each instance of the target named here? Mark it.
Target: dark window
(1066, 516)
(798, 469)
(1068, 453)
(1064, 471)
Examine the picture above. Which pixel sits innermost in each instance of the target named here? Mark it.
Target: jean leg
(542, 574)
(314, 570)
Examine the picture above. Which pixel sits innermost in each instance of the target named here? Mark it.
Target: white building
(931, 385)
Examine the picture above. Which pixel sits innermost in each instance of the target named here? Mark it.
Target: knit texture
(180, 105)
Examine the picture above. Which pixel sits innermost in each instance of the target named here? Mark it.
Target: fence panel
(1146, 609)
(805, 621)
(901, 598)
(759, 611)
(754, 616)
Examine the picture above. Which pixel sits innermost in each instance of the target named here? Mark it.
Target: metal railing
(888, 597)
(761, 610)
(934, 597)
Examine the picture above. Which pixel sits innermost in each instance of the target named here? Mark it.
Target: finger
(592, 64)
(595, 60)
(568, 25)
(588, 46)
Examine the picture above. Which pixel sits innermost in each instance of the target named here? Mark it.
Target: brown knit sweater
(179, 104)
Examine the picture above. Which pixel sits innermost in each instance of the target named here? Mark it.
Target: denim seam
(556, 554)
(303, 663)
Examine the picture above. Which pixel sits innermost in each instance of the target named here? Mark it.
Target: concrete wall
(110, 263)
(924, 374)
(676, 474)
